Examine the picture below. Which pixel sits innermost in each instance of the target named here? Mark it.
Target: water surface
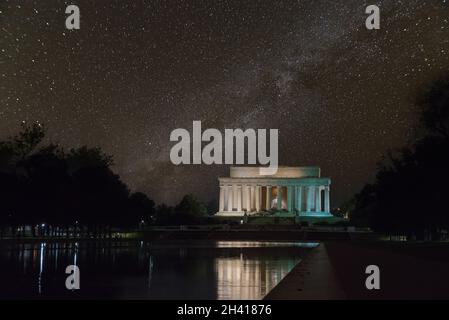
(147, 270)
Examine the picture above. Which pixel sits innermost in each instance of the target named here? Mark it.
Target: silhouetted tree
(435, 108)
(191, 206)
(410, 189)
(164, 214)
(43, 185)
(85, 157)
(189, 210)
(212, 207)
(141, 208)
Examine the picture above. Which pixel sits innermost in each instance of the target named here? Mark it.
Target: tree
(408, 195)
(141, 208)
(20, 146)
(434, 104)
(85, 157)
(164, 214)
(212, 207)
(191, 206)
(188, 211)
(45, 185)
(101, 195)
(14, 182)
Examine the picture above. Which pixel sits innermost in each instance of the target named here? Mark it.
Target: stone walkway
(405, 273)
(336, 270)
(312, 279)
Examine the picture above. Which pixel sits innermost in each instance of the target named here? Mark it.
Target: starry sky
(340, 95)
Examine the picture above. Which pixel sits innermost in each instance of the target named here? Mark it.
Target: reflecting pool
(147, 270)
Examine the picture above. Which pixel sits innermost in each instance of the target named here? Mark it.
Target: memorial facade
(299, 191)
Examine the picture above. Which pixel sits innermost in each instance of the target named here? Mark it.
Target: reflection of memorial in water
(249, 278)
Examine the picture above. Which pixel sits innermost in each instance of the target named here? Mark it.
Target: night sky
(340, 94)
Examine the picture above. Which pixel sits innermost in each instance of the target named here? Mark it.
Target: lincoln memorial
(299, 191)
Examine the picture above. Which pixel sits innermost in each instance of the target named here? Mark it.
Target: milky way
(341, 95)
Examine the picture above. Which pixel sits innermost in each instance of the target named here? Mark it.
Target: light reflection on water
(259, 244)
(143, 270)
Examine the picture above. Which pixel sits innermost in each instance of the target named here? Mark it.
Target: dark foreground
(408, 271)
(337, 271)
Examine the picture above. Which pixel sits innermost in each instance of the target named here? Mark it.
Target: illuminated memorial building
(299, 191)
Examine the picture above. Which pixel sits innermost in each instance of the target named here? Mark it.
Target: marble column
(289, 198)
(326, 199)
(309, 198)
(268, 198)
(248, 198)
(244, 197)
(279, 198)
(233, 197)
(298, 198)
(221, 203)
(225, 189)
(230, 198)
(257, 189)
(239, 198)
(253, 198)
(318, 199)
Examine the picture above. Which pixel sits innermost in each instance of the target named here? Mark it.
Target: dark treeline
(45, 190)
(410, 194)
